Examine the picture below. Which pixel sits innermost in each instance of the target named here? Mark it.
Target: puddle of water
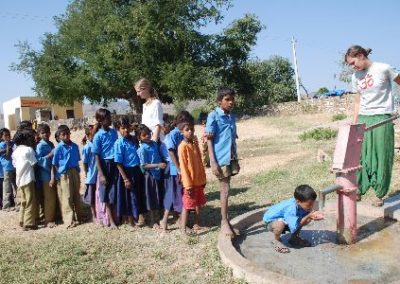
(374, 258)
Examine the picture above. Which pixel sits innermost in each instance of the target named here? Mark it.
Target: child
(24, 160)
(193, 176)
(151, 163)
(66, 162)
(9, 186)
(46, 194)
(130, 180)
(172, 184)
(1, 186)
(291, 215)
(103, 148)
(89, 165)
(221, 133)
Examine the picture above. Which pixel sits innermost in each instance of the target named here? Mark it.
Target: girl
(151, 163)
(89, 165)
(24, 160)
(9, 186)
(172, 184)
(152, 109)
(130, 180)
(372, 82)
(103, 148)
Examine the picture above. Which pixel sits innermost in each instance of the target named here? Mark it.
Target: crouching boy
(291, 215)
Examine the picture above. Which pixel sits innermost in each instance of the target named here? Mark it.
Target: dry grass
(274, 162)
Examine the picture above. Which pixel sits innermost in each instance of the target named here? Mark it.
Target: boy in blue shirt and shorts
(291, 215)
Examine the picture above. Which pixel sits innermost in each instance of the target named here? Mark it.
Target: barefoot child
(291, 215)
(46, 194)
(221, 133)
(130, 180)
(193, 176)
(103, 148)
(9, 186)
(89, 166)
(24, 160)
(151, 163)
(172, 183)
(66, 162)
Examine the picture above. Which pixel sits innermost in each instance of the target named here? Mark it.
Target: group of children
(127, 175)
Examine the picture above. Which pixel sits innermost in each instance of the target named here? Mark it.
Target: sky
(323, 31)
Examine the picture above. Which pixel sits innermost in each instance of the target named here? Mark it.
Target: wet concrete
(374, 258)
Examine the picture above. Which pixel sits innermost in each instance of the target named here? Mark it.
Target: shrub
(339, 116)
(318, 134)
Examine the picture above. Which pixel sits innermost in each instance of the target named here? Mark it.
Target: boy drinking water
(291, 215)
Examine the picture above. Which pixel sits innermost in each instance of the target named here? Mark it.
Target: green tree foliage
(322, 90)
(102, 47)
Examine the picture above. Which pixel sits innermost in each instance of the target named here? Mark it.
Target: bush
(318, 134)
(339, 116)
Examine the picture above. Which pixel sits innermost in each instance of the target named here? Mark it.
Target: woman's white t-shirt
(24, 159)
(375, 87)
(153, 115)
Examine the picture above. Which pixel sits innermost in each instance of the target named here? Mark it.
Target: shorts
(270, 228)
(230, 170)
(194, 199)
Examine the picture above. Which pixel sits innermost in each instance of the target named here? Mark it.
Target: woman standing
(372, 82)
(152, 109)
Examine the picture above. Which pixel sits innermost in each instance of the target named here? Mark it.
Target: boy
(66, 162)
(47, 194)
(221, 134)
(9, 186)
(291, 215)
(193, 176)
(24, 160)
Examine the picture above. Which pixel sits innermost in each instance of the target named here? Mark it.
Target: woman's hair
(24, 137)
(57, 136)
(225, 91)
(356, 50)
(141, 128)
(146, 84)
(63, 129)
(25, 124)
(43, 127)
(184, 116)
(102, 114)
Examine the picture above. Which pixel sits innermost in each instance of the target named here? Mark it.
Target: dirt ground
(273, 162)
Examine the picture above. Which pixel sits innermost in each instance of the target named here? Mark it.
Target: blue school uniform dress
(103, 145)
(43, 173)
(91, 176)
(6, 162)
(1, 186)
(66, 157)
(130, 201)
(223, 127)
(287, 211)
(172, 184)
(8, 176)
(154, 192)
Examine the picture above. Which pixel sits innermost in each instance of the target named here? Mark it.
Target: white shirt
(153, 115)
(375, 87)
(24, 159)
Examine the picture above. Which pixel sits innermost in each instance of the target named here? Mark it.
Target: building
(27, 108)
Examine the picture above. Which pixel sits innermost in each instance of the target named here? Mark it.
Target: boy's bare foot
(163, 225)
(226, 230)
(156, 227)
(377, 202)
(141, 221)
(113, 227)
(51, 225)
(299, 242)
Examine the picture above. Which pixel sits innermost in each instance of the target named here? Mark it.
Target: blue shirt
(223, 127)
(43, 148)
(125, 153)
(149, 154)
(6, 163)
(173, 140)
(90, 160)
(289, 211)
(66, 156)
(103, 143)
(1, 171)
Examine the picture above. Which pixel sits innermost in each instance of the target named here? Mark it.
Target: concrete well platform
(373, 259)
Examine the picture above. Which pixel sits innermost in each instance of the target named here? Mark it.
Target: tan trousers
(49, 202)
(68, 193)
(28, 211)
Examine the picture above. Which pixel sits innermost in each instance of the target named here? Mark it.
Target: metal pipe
(322, 194)
(394, 117)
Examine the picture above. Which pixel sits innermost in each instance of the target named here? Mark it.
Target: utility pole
(296, 71)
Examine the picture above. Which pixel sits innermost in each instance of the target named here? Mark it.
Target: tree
(102, 47)
(322, 90)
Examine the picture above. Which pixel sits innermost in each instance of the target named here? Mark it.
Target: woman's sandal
(282, 249)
